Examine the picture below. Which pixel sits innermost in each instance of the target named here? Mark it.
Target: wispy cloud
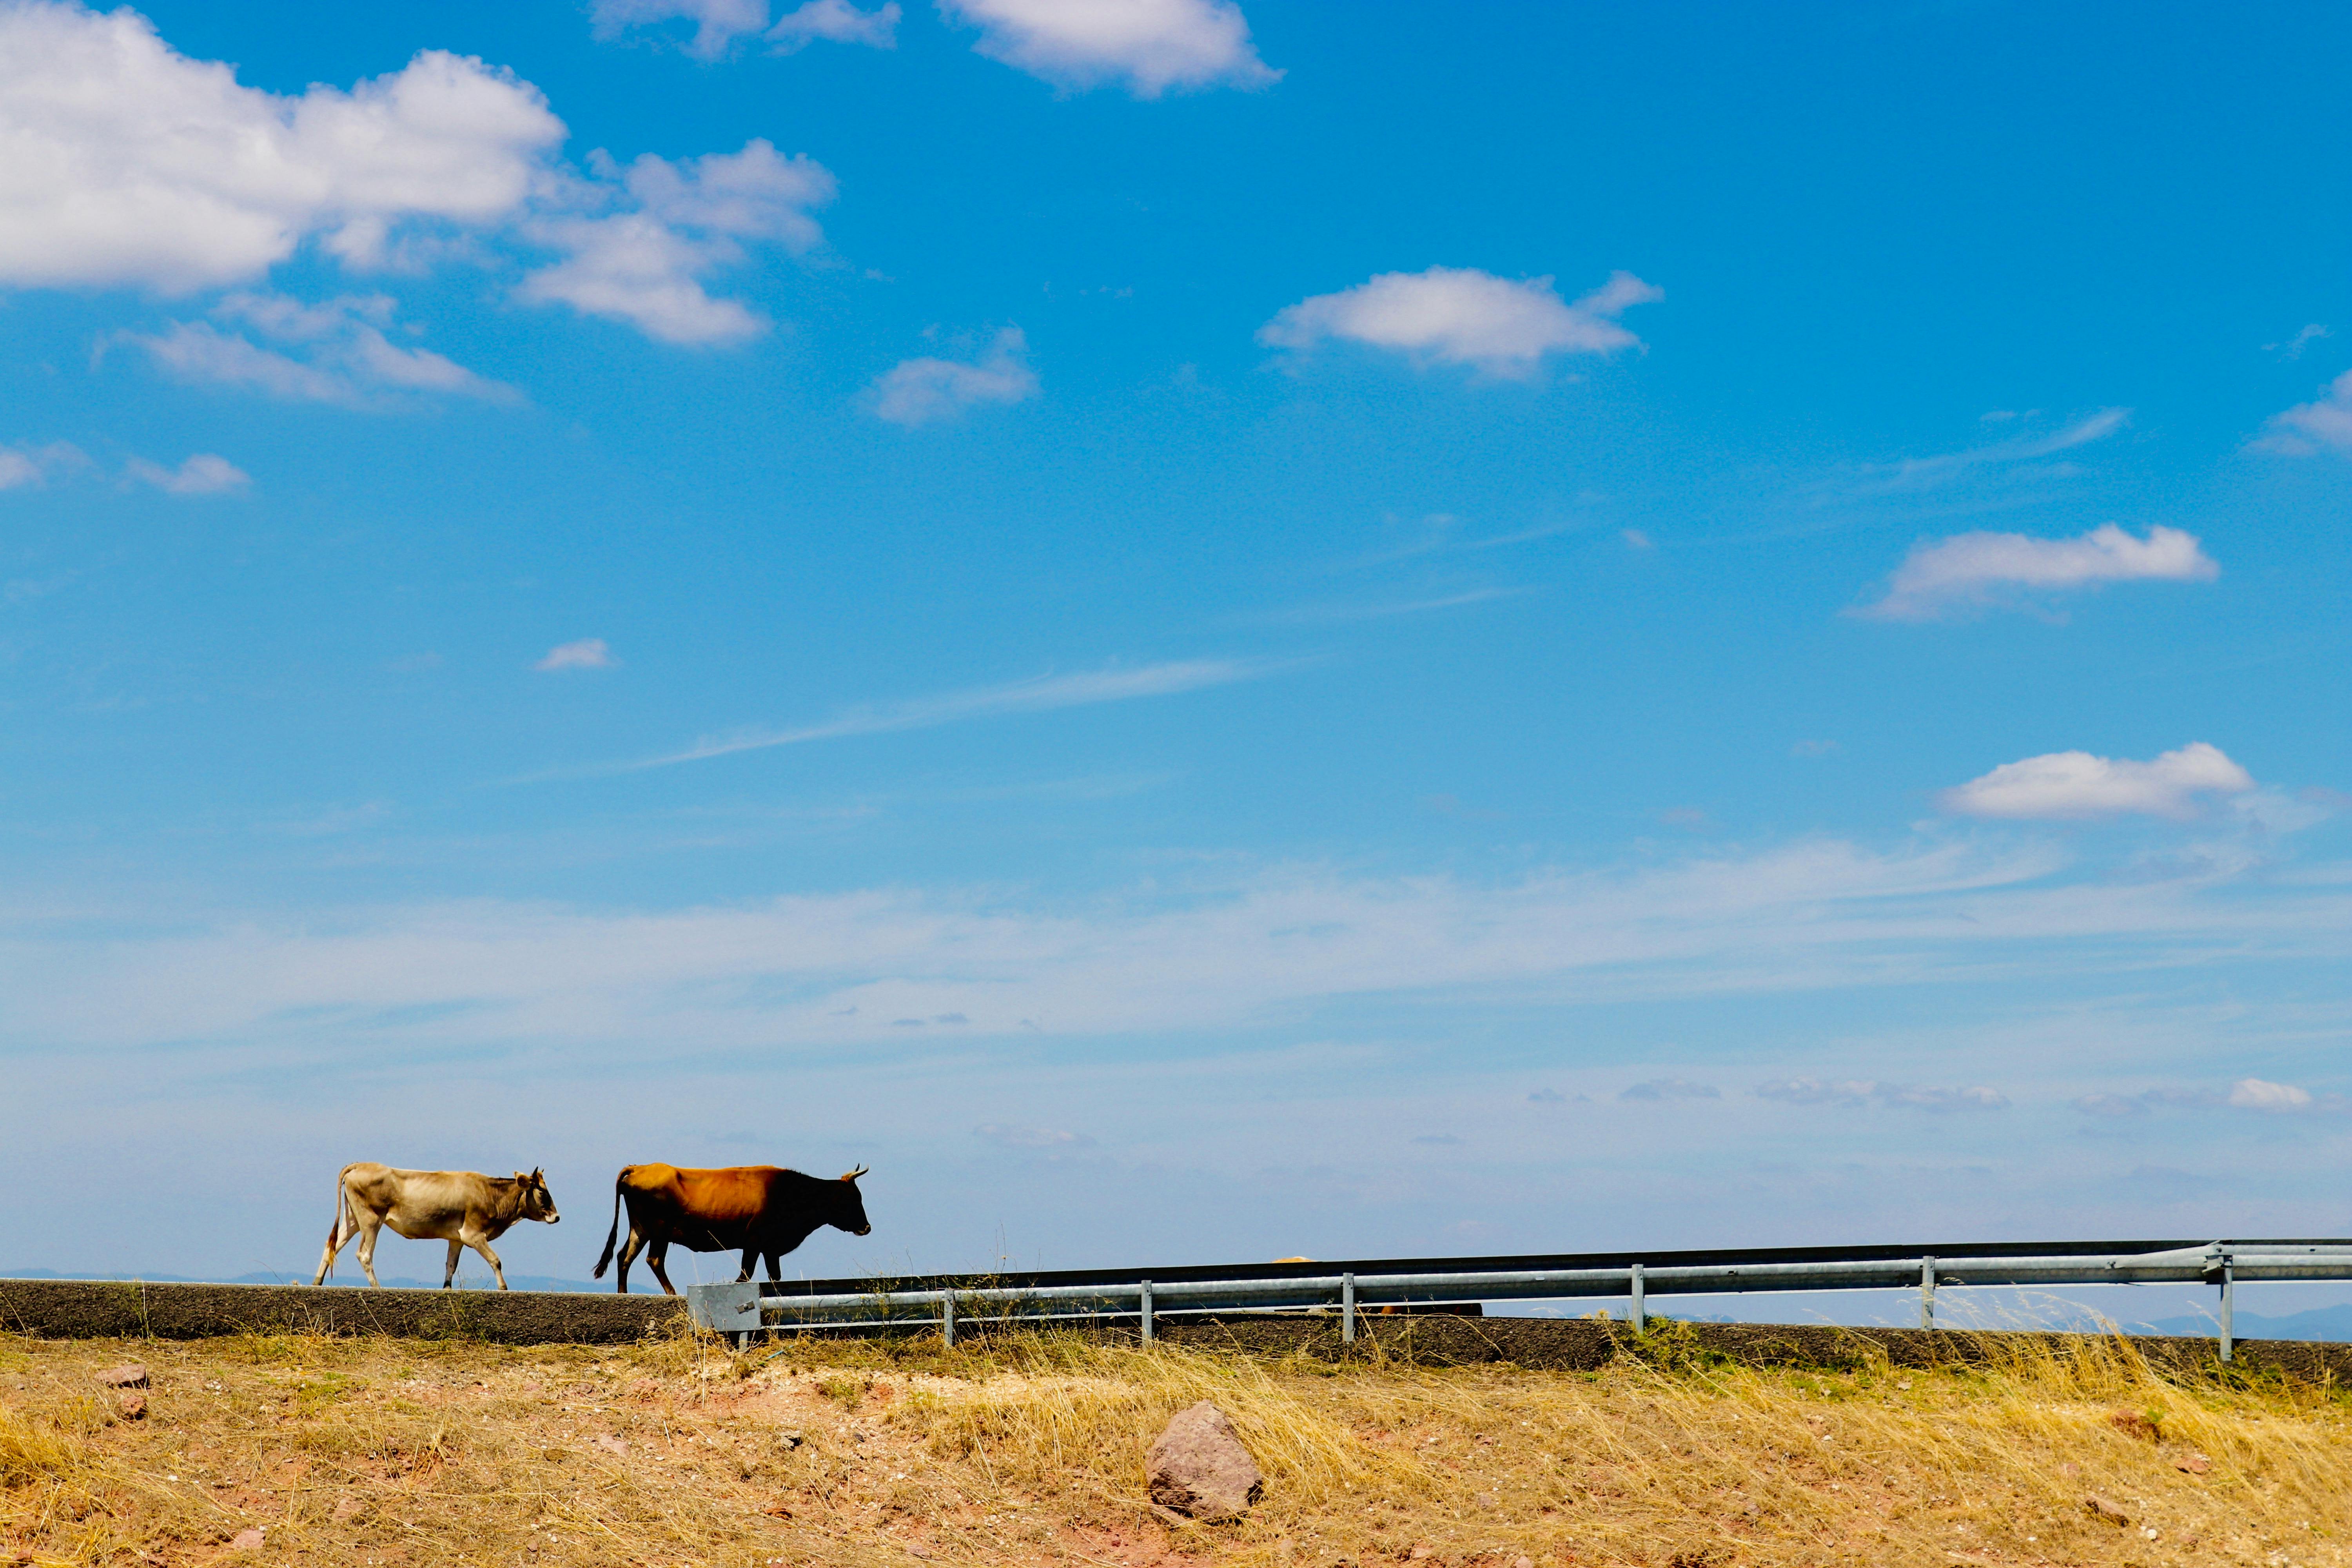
(1676, 1088)
(1864, 1091)
(1922, 473)
(1220, 952)
(2245, 1094)
(1008, 1136)
(718, 23)
(2292, 348)
(204, 474)
(335, 351)
(1042, 694)
(588, 653)
(2324, 424)
(1320, 614)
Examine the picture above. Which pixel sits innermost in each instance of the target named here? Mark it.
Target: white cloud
(1973, 570)
(835, 22)
(22, 467)
(1861, 1091)
(928, 391)
(1150, 45)
(2256, 1094)
(1041, 695)
(204, 474)
(1460, 315)
(645, 265)
(2065, 785)
(718, 23)
(124, 162)
(588, 653)
(2309, 426)
(334, 352)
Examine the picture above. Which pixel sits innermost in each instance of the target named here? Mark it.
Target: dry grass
(1031, 1451)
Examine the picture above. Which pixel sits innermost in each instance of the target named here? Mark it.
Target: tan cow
(464, 1208)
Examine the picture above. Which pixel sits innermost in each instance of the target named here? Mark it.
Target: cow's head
(851, 1215)
(538, 1203)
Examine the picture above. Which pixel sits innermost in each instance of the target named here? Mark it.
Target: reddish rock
(132, 1407)
(2194, 1463)
(2105, 1512)
(247, 1541)
(130, 1374)
(1199, 1467)
(2132, 1423)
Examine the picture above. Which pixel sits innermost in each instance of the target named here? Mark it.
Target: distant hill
(2331, 1323)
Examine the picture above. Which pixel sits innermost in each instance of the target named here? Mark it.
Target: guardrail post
(1146, 1299)
(1928, 1292)
(2229, 1308)
(1347, 1308)
(1638, 1307)
(947, 1318)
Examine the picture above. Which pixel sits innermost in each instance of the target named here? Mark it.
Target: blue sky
(1199, 632)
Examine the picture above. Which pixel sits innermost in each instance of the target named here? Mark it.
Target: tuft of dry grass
(1030, 1451)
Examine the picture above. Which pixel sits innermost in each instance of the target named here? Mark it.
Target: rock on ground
(2105, 1512)
(1200, 1467)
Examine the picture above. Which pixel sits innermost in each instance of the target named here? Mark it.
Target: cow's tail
(335, 1226)
(620, 1184)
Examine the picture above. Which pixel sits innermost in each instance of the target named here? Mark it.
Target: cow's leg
(629, 1250)
(751, 1256)
(449, 1274)
(775, 1268)
(481, 1243)
(371, 1226)
(656, 1256)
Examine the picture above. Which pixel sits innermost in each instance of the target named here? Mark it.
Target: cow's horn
(854, 1174)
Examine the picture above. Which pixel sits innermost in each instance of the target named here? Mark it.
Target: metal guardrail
(745, 1308)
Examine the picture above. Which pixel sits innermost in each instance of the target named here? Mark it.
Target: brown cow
(758, 1210)
(464, 1208)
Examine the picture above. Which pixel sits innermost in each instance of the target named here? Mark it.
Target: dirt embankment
(105, 1308)
(71, 1309)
